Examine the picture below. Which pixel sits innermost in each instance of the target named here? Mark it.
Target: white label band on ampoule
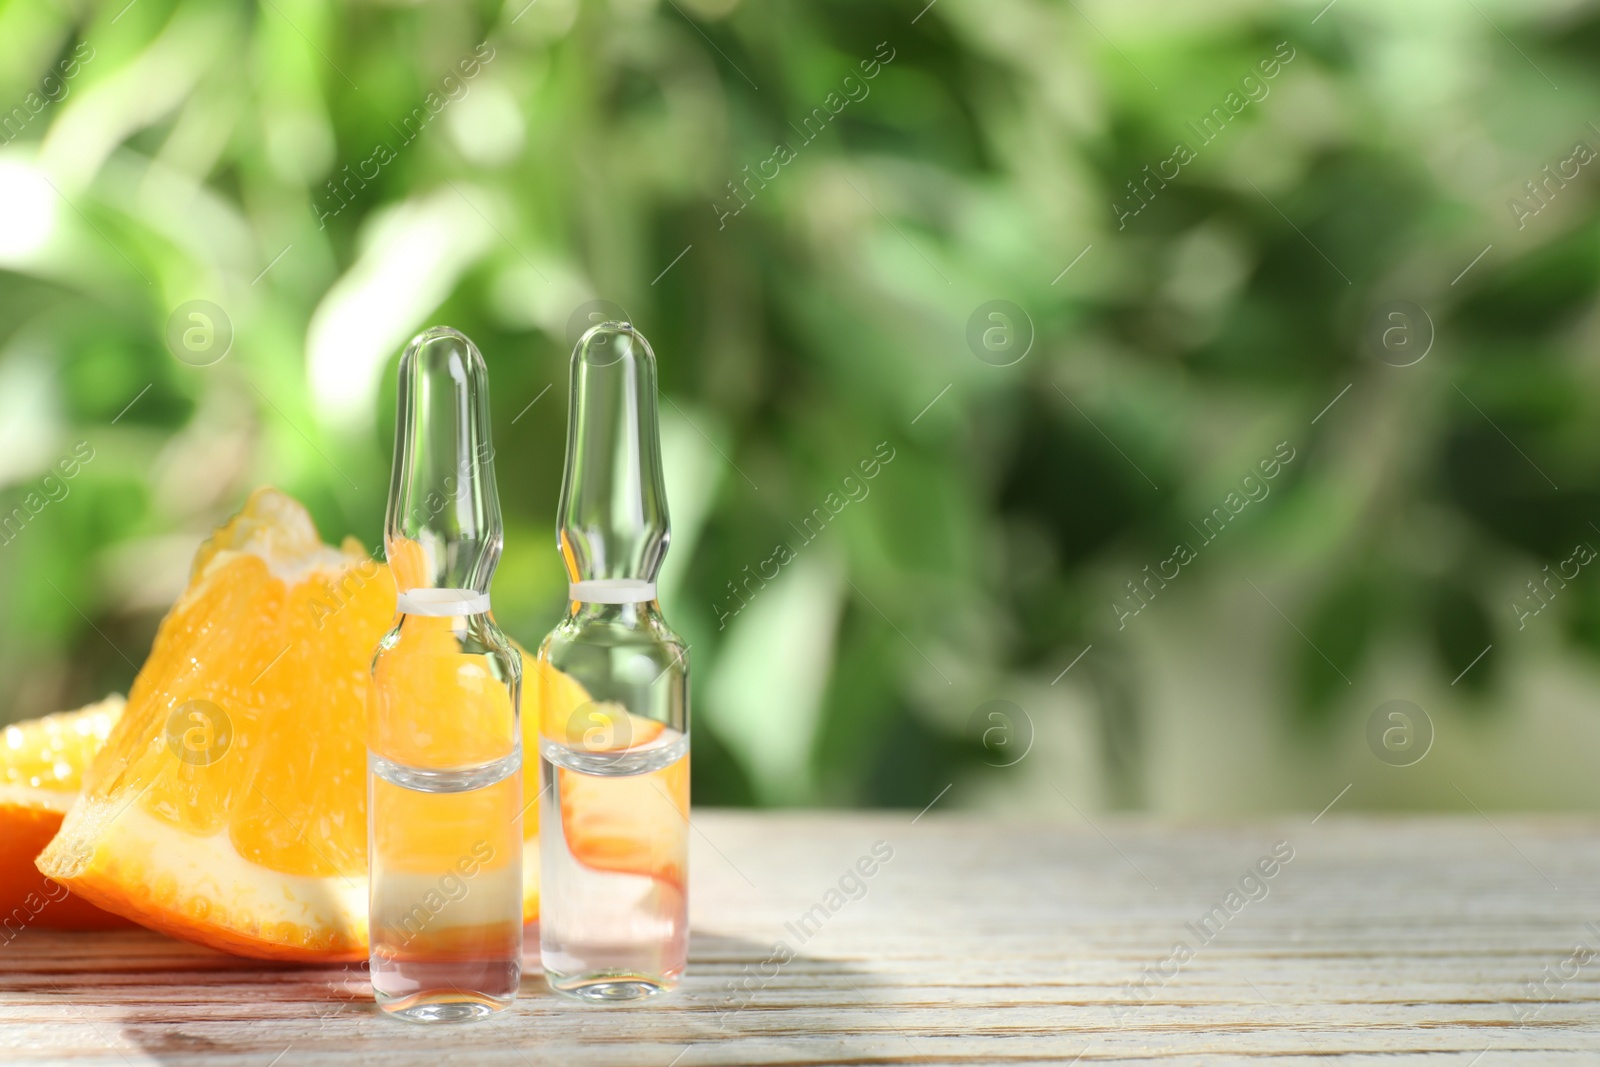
(612, 591)
(442, 603)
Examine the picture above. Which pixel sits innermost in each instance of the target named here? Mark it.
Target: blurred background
(1149, 393)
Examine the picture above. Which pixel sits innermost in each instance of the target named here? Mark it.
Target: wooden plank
(1388, 941)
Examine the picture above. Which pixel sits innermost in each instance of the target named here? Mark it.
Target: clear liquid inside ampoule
(446, 897)
(614, 843)
(614, 736)
(443, 738)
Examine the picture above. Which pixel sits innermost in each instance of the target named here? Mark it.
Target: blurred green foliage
(338, 175)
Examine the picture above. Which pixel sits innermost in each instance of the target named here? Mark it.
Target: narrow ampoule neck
(614, 527)
(443, 532)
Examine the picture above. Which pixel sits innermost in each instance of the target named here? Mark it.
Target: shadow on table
(748, 981)
(201, 1006)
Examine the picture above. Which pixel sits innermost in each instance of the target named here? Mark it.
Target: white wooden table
(1382, 941)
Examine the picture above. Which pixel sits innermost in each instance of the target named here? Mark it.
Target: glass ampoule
(614, 737)
(444, 751)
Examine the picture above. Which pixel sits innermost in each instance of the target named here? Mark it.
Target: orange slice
(41, 768)
(228, 806)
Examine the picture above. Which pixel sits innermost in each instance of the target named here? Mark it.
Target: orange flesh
(229, 804)
(41, 768)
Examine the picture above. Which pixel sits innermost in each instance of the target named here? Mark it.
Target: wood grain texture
(1380, 942)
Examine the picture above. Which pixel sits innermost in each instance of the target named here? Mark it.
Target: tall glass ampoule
(614, 733)
(444, 751)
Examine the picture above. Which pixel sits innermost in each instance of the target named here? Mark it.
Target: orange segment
(41, 768)
(48, 755)
(228, 805)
